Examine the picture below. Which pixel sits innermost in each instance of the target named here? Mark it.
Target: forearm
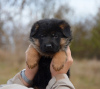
(60, 81)
(17, 79)
(30, 74)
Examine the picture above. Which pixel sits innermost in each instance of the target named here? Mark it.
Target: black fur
(43, 75)
(50, 24)
(48, 32)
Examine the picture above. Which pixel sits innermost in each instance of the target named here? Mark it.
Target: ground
(85, 74)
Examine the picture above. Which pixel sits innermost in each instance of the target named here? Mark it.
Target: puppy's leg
(59, 60)
(32, 57)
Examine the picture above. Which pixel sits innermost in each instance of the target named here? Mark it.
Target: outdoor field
(85, 74)
(18, 18)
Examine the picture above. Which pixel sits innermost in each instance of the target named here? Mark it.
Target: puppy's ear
(65, 28)
(34, 29)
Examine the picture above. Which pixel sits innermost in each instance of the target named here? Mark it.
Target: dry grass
(84, 74)
(10, 64)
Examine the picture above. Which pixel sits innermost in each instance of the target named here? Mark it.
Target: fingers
(66, 66)
(69, 61)
(68, 51)
(69, 57)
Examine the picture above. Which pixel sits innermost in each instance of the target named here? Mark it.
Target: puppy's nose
(48, 46)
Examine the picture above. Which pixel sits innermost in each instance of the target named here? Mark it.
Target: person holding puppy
(59, 79)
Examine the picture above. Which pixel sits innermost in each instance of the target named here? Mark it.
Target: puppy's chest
(43, 73)
(45, 61)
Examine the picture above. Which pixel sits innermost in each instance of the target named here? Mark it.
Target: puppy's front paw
(59, 60)
(57, 67)
(32, 57)
(31, 65)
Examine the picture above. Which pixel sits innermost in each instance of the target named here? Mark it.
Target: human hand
(32, 58)
(67, 64)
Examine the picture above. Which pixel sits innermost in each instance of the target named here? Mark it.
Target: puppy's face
(49, 39)
(47, 34)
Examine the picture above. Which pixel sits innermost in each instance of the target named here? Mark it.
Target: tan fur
(37, 26)
(32, 57)
(34, 54)
(36, 88)
(62, 42)
(36, 45)
(36, 41)
(58, 60)
(60, 57)
(62, 26)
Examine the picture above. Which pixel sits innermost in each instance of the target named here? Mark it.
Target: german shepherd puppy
(50, 38)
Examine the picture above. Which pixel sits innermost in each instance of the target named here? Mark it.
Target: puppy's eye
(42, 35)
(55, 36)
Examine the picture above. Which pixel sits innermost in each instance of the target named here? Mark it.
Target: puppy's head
(46, 35)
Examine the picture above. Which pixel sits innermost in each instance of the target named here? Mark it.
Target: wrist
(55, 73)
(60, 76)
(25, 80)
(30, 73)
(69, 57)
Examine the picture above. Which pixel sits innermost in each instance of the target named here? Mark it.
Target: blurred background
(17, 17)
